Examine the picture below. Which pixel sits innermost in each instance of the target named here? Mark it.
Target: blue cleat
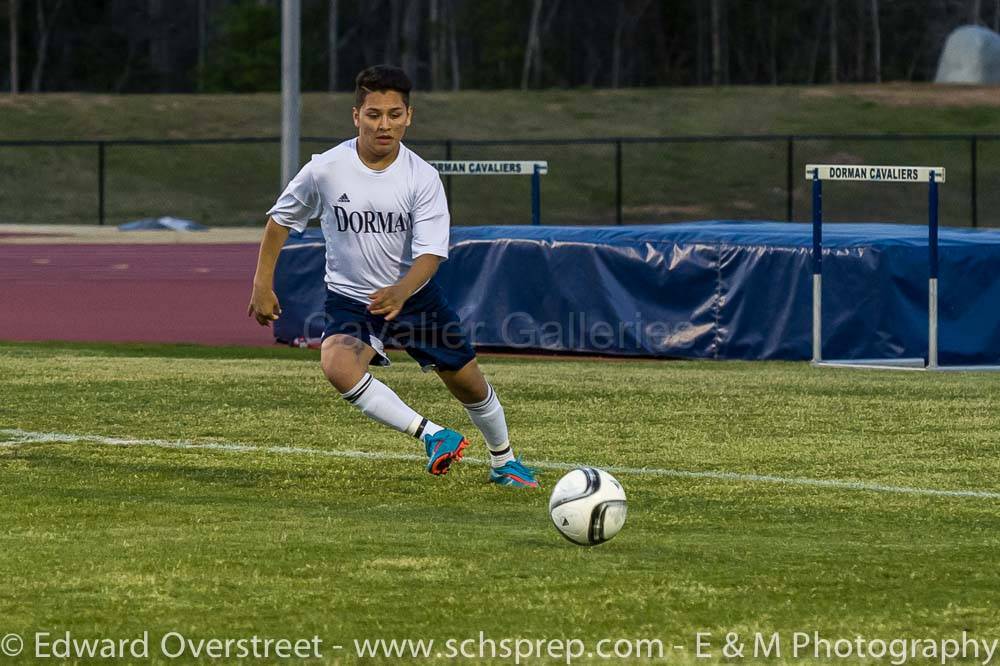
(444, 448)
(513, 473)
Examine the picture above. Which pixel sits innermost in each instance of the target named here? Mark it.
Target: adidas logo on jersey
(343, 198)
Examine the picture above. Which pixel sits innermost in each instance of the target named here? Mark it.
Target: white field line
(17, 437)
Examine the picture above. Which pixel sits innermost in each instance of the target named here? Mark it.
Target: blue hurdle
(933, 176)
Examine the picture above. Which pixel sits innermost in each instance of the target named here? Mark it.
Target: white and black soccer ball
(588, 506)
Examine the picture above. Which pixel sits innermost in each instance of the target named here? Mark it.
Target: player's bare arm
(388, 301)
(264, 304)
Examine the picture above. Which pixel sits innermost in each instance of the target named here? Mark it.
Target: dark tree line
(234, 45)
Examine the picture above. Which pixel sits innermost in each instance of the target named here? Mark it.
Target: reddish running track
(129, 293)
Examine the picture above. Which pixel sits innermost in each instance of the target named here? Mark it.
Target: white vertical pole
(290, 104)
(817, 318)
(932, 324)
(14, 27)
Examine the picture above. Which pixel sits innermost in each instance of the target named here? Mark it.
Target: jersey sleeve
(299, 203)
(431, 221)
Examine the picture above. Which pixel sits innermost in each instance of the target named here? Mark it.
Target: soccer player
(386, 224)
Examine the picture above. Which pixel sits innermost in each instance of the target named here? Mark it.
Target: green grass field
(236, 184)
(294, 537)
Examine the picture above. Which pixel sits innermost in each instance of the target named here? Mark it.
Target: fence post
(100, 182)
(789, 180)
(618, 181)
(973, 194)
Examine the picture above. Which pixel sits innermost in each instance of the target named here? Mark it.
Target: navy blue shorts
(427, 328)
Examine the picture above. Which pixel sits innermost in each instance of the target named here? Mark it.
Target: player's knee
(468, 385)
(343, 361)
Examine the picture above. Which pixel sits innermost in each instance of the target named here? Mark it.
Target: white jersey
(375, 222)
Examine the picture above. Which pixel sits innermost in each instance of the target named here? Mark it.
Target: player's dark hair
(381, 78)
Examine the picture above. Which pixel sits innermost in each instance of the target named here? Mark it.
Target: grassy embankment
(234, 185)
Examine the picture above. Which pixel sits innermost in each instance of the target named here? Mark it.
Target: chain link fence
(233, 182)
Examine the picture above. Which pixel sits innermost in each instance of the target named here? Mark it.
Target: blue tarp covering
(734, 290)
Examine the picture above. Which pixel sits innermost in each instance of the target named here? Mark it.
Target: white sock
(489, 418)
(379, 402)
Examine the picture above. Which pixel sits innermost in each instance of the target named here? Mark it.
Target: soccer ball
(588, 506)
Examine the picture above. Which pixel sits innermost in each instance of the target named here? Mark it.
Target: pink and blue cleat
(444, 448)
(513, 473)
